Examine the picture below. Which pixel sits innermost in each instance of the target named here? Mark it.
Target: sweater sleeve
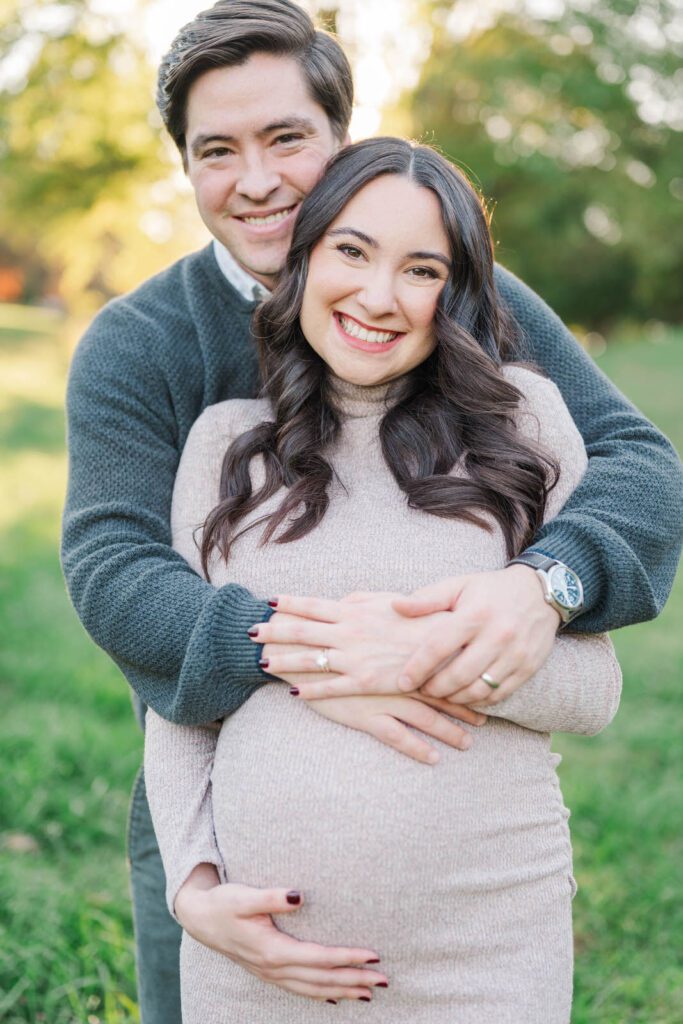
(181, 644)
(578, 688)
(178, 763)
(621, 529)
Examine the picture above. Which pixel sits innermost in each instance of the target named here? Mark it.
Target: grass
(71, 748)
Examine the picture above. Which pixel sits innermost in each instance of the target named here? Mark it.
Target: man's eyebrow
(294, 123)
(201, 141)
(356, 233)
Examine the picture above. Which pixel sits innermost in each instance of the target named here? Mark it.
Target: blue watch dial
(565, 587)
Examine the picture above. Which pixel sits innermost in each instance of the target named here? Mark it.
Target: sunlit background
(569, 118)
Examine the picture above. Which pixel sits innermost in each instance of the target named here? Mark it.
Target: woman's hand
(235, 920)
(366, 641)
(387, 719)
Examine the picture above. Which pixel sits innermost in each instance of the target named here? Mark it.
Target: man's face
(256, 145)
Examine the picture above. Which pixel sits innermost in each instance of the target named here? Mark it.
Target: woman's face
(374, 280)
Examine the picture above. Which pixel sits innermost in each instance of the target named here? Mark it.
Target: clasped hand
(438, 640)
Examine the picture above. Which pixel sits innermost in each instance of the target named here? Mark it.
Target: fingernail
(373, 961)
(253, 631)
(294, 898)
(382, 984)
(364, 999)
(294, 691)
(333, 1001)
(263, 662)
(433, 756)
(273, 604)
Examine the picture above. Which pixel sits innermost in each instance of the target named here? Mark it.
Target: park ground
(70, 747)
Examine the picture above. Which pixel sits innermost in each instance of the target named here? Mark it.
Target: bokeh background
(569, 117)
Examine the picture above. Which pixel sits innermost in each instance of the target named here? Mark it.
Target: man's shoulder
(165, 312)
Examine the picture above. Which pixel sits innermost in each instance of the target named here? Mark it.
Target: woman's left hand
(365, 641)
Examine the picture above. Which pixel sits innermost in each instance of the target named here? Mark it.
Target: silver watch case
(562, 589)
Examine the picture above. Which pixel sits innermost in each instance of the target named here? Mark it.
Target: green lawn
(70, 750)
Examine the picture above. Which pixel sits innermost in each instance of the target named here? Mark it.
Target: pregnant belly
(305, 803)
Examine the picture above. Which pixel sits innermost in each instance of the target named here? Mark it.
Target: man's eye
(218, 151)
(289, 138)
(350, 250)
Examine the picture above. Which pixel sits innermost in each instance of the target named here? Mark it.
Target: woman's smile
(364, 337)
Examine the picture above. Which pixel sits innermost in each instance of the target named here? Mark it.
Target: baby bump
(306, 803)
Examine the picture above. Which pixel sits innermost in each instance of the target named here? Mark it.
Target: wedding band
(489, 681)
(323, 662)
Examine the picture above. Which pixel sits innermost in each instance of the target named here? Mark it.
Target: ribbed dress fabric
(459, 874)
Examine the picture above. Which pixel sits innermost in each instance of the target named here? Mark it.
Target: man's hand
(235, 920)
(387, 719)
(498, 623)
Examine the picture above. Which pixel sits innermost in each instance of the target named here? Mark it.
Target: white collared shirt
(248, 287)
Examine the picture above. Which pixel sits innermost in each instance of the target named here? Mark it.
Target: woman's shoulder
(542, 412)
(229, 419)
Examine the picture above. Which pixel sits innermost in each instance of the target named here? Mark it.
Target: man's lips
(267, 218)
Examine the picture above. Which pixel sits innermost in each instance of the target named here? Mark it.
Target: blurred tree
(84, 168)
(571, 123)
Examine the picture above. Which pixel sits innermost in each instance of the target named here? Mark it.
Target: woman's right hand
(235, 920)
(387, 718)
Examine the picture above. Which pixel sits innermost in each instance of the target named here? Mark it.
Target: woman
(391, 446)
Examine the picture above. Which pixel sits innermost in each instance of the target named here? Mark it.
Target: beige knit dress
(459, 874)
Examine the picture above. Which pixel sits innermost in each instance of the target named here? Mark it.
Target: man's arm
(181, 644)
(621, 528)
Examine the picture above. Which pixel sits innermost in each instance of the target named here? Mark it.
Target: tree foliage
(82, 158)
(572, 125)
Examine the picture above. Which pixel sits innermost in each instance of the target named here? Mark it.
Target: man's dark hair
(229, 33)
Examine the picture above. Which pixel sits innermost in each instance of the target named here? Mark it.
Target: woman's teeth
(356, 331)
(272, 218)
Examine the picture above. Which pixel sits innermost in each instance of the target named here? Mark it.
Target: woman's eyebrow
(357, 234)
(438, 256)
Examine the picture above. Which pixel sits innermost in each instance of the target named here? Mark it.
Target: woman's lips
(362, 336)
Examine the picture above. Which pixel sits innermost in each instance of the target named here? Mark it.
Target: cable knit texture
(459, 874)
(145, 370)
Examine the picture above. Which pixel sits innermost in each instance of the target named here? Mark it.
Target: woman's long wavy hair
(456, 406)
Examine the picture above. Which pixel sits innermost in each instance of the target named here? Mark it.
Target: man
(257, 101)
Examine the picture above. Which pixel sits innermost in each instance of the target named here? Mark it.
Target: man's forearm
(621, 530)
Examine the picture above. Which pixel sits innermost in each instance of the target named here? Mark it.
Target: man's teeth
(356, 331)
(272, 218)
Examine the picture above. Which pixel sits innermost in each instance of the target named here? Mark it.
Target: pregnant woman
(395, 442)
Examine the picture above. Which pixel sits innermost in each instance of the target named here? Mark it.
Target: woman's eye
(350, 250)
(426, 273)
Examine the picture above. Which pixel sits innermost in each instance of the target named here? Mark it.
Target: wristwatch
(562, 587)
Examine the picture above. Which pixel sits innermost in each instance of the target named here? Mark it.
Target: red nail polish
(333, 1001)
(273, 602)
(382, 984)
(263, 663)
(294, 691)
(294, 898)
(376, 961)
(364, 999)
(253, 631)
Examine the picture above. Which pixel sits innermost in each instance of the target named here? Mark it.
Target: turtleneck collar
(358, 400)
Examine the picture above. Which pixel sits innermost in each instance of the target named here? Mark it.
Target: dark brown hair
(229, 33)
(455, 406)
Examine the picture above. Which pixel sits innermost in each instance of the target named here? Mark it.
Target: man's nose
(378, 294)
(257, 178)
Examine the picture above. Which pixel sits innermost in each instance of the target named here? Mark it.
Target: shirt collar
(248, 287)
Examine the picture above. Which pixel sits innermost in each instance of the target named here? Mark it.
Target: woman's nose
(378, 295)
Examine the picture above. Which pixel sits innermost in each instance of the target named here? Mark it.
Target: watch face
(565, 587)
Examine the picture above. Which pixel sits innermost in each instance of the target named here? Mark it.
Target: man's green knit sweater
(148, 366)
